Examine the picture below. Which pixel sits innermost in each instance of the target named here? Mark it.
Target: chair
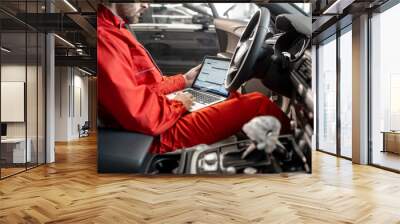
(84, 130)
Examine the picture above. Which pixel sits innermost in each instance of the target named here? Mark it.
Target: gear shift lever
(264, 132)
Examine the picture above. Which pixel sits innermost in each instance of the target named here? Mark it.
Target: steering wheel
(248, 49)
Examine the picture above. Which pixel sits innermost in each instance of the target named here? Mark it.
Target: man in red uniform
(132, 91)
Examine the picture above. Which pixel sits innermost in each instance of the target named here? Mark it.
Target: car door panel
(229, 33)
(176, 51)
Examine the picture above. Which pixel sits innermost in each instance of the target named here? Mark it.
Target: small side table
(14, 151)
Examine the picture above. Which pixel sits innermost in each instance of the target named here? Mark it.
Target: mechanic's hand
(191, 75)
(185, 98)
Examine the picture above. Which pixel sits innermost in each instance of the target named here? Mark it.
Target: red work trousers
(217, 122)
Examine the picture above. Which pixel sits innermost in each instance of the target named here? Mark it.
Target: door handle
(158, 36)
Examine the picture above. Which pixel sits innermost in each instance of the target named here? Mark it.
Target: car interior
(269, 53)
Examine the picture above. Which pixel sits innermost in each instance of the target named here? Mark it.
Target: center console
(228, 159)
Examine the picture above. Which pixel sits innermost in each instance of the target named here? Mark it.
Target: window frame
(333, 37)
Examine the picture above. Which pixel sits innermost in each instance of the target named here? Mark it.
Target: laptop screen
(212, 75)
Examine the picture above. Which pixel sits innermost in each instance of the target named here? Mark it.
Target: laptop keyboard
(202, 98)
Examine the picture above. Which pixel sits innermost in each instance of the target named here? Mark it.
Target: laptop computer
(208, 88)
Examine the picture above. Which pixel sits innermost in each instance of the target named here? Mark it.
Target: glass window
(385, 89)
(177, 35)
(22, 90)
(305, 7)
(165, 13)
(237, 11)
(346, 93)
(327, 96)
(15, 149)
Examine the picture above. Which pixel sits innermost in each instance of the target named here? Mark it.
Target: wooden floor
(71, 191)
(5, 172)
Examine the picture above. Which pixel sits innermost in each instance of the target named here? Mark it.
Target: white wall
(80, 110)
(13, 73)
(71, 94)
(61, 103)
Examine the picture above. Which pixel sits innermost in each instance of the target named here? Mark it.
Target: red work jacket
(131, 88)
